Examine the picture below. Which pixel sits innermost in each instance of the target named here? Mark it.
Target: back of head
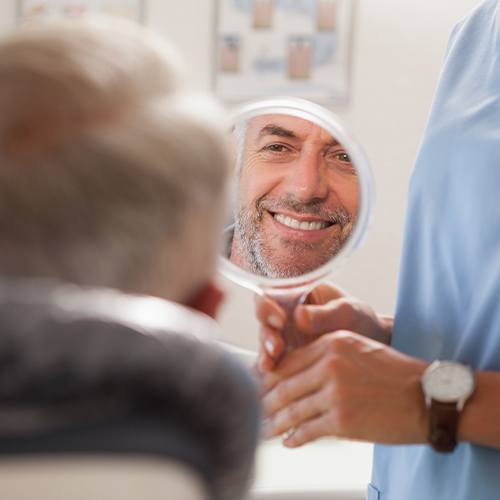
(110, 174)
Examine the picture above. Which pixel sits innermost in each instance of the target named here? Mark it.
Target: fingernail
(290, 443)
(269, 346)
(288, 438)
(275, 321)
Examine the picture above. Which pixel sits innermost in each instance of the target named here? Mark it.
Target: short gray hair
(239, 140)
(110, 175)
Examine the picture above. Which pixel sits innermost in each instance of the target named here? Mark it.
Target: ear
(208, 299)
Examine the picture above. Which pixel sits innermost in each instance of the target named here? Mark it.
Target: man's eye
(277, 148)
(344, 157)
(340, 159)
(341, 156)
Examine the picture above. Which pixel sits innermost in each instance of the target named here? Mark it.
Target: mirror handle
(288, 300)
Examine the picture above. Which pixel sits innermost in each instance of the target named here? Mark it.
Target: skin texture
(342, 383)
(328, 309)
(292, 167)
(347, 382)
(345, 385)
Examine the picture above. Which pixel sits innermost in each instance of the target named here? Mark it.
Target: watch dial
(449, 382)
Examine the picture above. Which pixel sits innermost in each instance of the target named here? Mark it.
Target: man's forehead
(285, 126)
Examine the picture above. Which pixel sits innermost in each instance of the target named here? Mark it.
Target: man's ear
(207, 299)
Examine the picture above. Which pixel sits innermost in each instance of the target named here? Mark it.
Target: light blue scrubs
(449, 291)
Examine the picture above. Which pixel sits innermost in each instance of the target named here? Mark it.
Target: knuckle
(292, 414)
(345, 337)
(342, 341)
(330, 364)
(344, 306)
(330, 345)
(282, 392)
(335, 376)
(304, 433)
(341, 390)
(331, 393)
(335, 343)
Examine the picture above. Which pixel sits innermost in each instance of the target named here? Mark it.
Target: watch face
(448, 382)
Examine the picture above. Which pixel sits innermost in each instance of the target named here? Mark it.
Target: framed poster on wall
(29, 10)
(283, 47)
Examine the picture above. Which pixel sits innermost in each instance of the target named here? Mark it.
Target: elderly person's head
(110, 175)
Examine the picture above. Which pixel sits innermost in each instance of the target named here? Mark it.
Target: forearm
(480, 419)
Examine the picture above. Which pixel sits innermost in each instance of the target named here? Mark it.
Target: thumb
(319, 319)
(325, 292)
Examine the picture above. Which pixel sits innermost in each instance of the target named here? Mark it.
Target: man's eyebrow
(277, 130)
(333, 143)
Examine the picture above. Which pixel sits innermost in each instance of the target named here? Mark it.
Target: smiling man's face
(298, 197)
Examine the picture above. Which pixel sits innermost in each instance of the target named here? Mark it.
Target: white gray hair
(239, 139)
(110, 175)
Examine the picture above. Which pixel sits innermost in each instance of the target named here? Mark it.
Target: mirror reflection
(297, 196)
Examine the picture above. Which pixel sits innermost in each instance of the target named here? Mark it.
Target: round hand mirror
(302, 194)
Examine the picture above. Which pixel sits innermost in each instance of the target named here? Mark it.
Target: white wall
(398, 48)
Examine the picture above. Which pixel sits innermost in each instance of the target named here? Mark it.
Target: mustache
(335, 215)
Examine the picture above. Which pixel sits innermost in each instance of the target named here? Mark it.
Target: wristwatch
(447, 385)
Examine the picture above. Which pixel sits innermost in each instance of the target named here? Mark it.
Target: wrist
(447, 386)
(471, 420)
(479, 420)
(420, 412)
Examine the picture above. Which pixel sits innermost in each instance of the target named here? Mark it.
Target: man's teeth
(296, 224)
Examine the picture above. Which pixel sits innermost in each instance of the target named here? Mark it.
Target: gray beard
(258, 251)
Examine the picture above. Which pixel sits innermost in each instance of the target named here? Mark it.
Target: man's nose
(306, 179)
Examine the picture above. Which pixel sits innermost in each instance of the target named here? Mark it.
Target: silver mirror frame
(324, 118)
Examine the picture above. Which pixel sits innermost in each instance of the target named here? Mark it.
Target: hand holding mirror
(302, 196)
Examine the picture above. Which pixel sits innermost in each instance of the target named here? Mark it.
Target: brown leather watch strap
(443, 423)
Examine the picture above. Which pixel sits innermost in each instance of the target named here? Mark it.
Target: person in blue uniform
(369, 377)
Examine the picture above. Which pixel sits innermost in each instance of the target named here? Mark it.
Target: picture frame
(30, 10)
(298, 48)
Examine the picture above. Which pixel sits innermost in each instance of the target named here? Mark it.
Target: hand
(349, 386)
(328, 309)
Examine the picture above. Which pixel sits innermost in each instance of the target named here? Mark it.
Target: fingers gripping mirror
(302, 194)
